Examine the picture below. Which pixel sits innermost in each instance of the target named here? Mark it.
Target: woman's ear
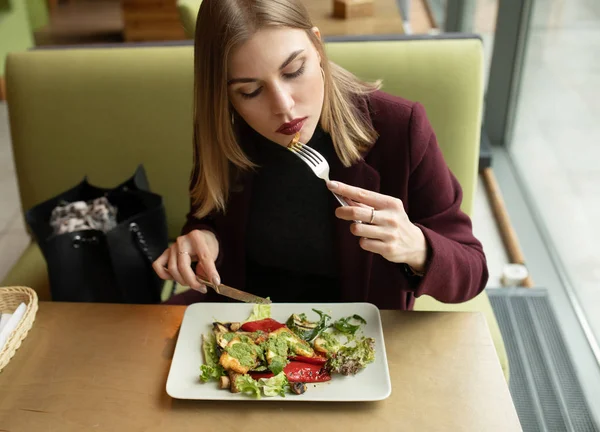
(317, 32)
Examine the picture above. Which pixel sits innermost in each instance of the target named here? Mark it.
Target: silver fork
(317, 163)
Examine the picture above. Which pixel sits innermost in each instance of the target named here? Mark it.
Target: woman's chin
(307, 133)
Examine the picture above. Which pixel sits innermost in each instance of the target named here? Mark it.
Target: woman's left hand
(385, 228)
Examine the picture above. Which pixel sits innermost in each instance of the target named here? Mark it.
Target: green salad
(264, 357)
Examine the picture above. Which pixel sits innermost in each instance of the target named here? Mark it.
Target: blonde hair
(221, 26)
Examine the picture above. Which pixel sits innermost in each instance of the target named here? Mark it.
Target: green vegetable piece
(343, 325)
(246, 384)
(208, 372)
(259, 312)
(209, 348)
(305, 329)
(349, 360)
(278, 364)
(359, 318)
(274, 386)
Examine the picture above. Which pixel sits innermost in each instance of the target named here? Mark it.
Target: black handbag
(111, 267)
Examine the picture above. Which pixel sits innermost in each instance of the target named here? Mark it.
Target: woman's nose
(282, 100)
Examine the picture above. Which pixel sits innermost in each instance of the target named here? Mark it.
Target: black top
(289, 238)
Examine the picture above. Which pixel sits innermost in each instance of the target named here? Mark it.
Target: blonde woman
(261, 221)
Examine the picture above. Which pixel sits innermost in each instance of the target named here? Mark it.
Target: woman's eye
(296, 74)
(290, 75)
(251, 95)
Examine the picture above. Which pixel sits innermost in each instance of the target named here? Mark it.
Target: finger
(206, 263)
(375, 246)
(184, 265)
(354, 213)
(202, 288)
(184, 262)
(206, 267)
(159, 266)
(173, 267)
(359, 195)
(357, 204)
(370, 231)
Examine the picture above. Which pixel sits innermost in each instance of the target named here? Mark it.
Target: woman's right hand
(175, 262)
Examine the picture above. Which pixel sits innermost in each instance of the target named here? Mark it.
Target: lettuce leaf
(345, 325)
(246, 384)
(208, 372)
(259, 312)
(209, 348)
(211, 369)
(274, 386)
(349, 360)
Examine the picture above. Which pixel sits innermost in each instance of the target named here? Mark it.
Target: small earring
(232, 119)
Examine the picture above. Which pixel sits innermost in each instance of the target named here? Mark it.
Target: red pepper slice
(296, 371)
(317, 360)
(305, 372)
(259, 375)
(266, 325)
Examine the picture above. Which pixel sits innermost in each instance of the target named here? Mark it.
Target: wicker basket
(10, 299)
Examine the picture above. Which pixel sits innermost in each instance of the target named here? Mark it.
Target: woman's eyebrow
(283, 65)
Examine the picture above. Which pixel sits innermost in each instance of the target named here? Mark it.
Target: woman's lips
(290, 128)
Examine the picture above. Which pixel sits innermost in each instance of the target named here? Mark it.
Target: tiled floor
(13, 238)
(557, 138)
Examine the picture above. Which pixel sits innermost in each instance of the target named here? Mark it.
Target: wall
(38, 13)
(15, 30)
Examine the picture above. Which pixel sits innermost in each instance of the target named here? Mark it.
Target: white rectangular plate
(371, 384)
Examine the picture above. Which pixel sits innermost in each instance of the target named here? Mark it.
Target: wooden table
(100, 367)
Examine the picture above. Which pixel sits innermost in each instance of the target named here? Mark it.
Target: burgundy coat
(405, 162)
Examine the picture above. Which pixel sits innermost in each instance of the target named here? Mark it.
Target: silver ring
(372, 216)
(183, 253)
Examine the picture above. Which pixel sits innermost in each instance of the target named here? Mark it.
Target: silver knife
(230, 292)
(233, 293)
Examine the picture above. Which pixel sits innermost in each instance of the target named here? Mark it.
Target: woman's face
(275, 84)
